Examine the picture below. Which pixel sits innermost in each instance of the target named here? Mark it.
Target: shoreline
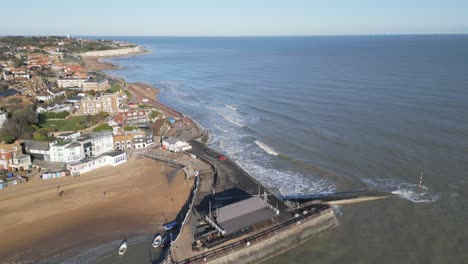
(103, 224)
(84, 218)
(140, 90)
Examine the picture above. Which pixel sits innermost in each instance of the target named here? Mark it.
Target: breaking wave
(230, 117)
(266, 148)
(408, 191)
(221, 129)
(232, 107)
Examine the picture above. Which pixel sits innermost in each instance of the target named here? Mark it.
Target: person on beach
(61, 193)
(58, 187)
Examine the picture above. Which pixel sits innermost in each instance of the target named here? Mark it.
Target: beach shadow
(171, 174)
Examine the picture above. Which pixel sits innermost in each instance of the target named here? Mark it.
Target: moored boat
(123, 248)
(157, 240)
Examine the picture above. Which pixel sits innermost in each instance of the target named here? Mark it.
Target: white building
(97, 144)
(109, 159)
(71, 82)
(66, 152)
(74, 149)
(47, 95)
(175, 145)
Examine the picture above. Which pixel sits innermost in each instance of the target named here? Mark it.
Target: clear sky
(231, 17)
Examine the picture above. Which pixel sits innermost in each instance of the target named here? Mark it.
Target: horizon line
(246, 36)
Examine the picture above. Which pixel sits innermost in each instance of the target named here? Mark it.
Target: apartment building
(108, 102)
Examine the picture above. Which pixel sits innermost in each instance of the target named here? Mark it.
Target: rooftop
(243, 214)
(8, 92)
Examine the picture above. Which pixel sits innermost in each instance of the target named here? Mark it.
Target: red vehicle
(222, 157)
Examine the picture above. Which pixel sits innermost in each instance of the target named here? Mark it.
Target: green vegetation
(69, 124)
(71, 45)
(20, 125)
(75, 123)
(8, 139)
(92, 92)
(130, 128)
(43, 135)
(51, 115)
(17, 62)
(154, 114)
(113, 89)
(103, 127)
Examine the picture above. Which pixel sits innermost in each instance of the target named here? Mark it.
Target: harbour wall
(280, 242)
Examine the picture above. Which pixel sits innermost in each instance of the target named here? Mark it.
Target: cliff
(114, 52)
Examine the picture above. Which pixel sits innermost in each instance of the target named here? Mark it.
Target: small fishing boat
(123, 248)
(157, 240)
(170, 225)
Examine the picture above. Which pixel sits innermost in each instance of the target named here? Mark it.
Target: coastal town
(59, 118)
(64, 122)
(94, 160)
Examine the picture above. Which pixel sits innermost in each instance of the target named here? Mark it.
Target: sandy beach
(37, 223)
(97, 64)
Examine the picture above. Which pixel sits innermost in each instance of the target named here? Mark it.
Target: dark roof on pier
(240, 215)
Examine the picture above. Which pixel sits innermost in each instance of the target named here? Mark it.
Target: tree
(92, 92)
(8, 139)
(154, 114)
(19, 125)
(18, 62)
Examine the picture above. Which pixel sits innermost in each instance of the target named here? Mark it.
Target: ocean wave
(405, 190)
(253, 160)
(266, 148)
(288, 183)
(230, 117)
(223, 130)
(232, 107)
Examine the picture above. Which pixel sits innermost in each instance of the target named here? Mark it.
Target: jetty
(232, 218)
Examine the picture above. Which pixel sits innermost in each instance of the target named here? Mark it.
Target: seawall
(113, 52)
(280, 242)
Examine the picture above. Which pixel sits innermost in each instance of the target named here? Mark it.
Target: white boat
(157, 241)
(123, 248)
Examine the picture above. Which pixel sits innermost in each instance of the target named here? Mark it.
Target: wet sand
(37, 223)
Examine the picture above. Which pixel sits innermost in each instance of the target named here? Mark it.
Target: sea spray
(266, 148)
(405, 190)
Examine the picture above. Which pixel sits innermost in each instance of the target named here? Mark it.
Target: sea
(320, 114)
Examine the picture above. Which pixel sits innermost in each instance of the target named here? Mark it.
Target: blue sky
(232, 17)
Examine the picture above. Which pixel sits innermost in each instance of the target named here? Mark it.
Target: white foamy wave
(288, 183)
(337, 209)
(281, 182)
(232, 120)
(408, 191)
(266, 148)
(223, 130)
(232, 107)
(231, 117)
